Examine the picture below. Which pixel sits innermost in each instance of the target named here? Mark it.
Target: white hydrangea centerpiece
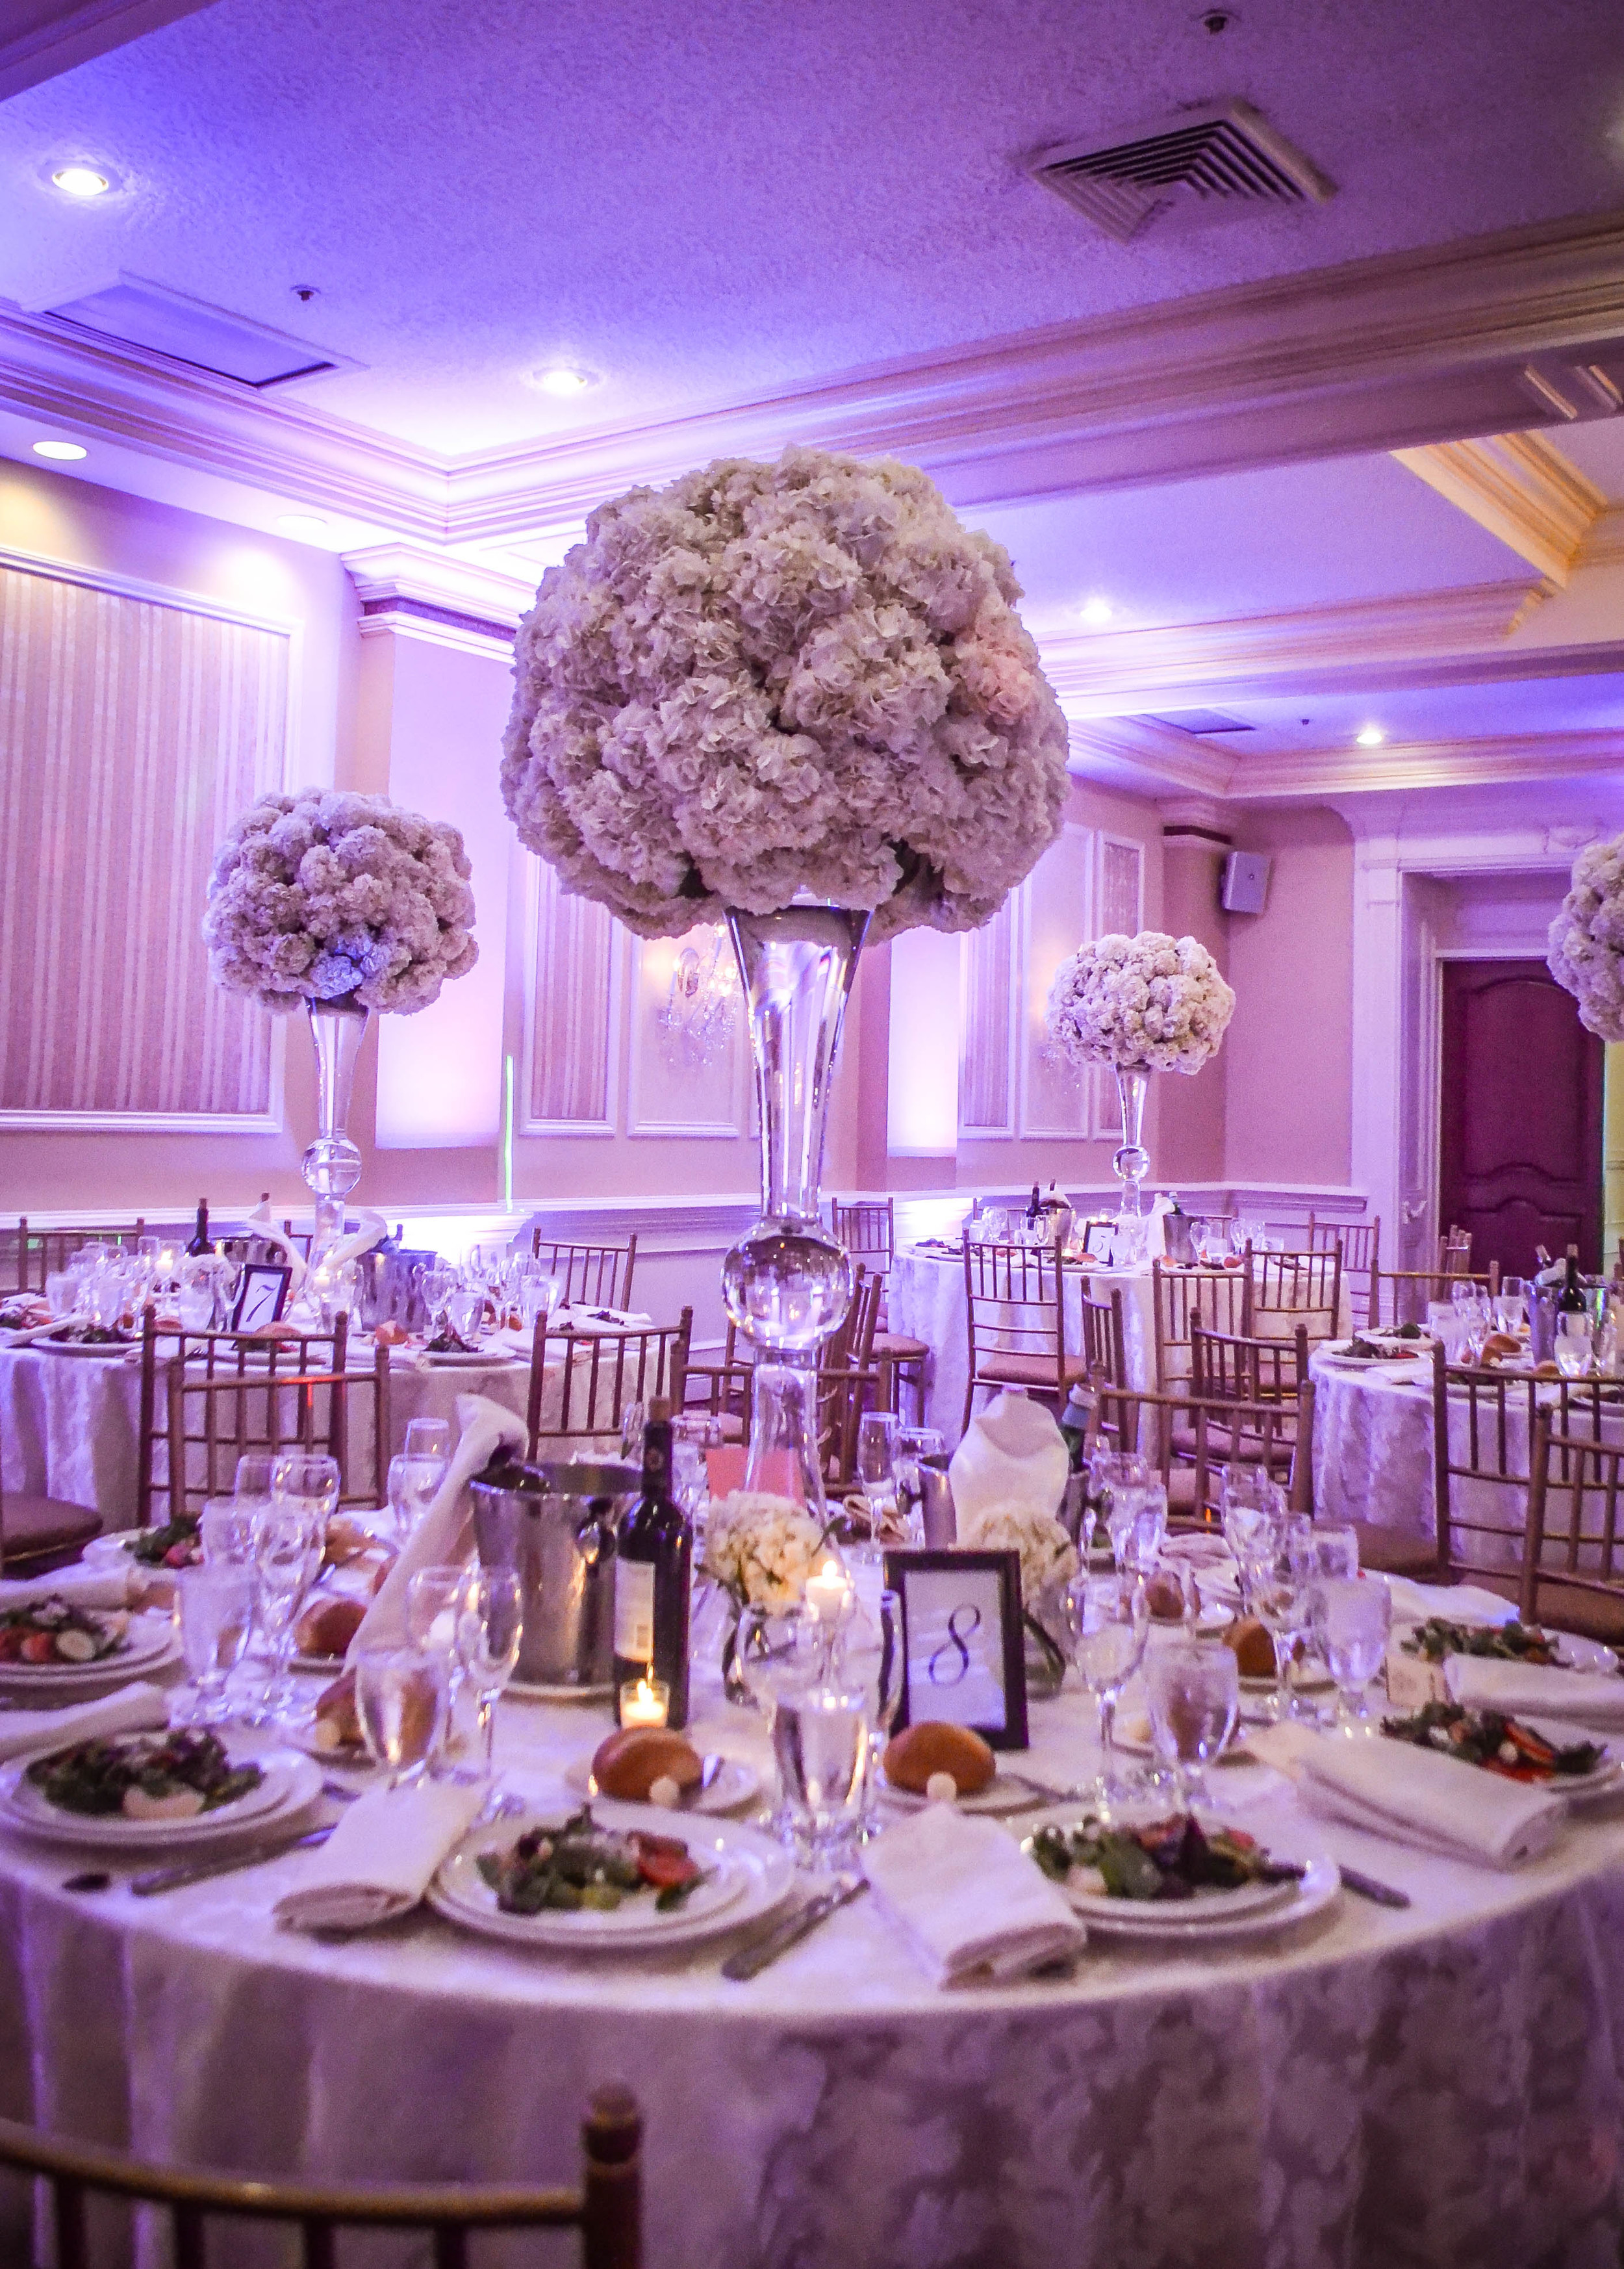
(773, 679)
(1048, 1557)
(1586, 948)
(760, 1549)
(323, 899)
(1150, 1002)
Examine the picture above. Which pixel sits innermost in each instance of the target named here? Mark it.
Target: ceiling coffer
(1216, 163)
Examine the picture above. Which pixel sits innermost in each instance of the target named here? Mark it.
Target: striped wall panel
(569, 1016)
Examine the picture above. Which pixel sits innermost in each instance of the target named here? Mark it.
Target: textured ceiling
(708, 203)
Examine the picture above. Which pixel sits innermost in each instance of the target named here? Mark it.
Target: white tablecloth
(1440, 2087)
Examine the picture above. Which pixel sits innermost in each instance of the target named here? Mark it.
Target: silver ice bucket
(936, 1510)
(556, 1524)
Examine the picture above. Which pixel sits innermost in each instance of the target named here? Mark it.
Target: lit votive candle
(644, 1701)
(829, 1594)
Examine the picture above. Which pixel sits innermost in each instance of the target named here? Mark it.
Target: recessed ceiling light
(81, 182)
(66, 453)
(305, 527)
(1369, 736)
(1097, 611)
(564, 378)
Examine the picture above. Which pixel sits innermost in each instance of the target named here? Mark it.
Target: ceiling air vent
(1214, 163)
(145, 314)
(1200, 721)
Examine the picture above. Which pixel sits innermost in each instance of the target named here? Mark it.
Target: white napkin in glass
(443, 1534)
(261, 1222)
(80, 1587)
(1457, 1603)
(1014, 1453)
(371, 1230)
(382, 1856)
(1415, 1796)
(1534, 1689)
(968, 1899)
(132, 1710)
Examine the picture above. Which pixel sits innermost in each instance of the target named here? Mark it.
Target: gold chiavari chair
(1224, 1367)
(1298, 1285)
(38, 1533)
(1455, 1253)
(215, 1420)
(590, 1275)
(724, 1390)
(28, 1256)
(1224, 1296)
(607, 2209)
(599, 1375)
(1191, 1439)
(1361, 1256)
(215, 1355)
(1401, 1296)
(850, 1380)
(1015, 1314)
(1104, 1352)
(868, 1229)
(1571, 1573)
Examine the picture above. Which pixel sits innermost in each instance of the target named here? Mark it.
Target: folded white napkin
(1415, 1796)
(130, 1711)
(1530, 1690)
(261, 1222)
(382, 1856)
(371, 1228)
(81, 1587)
(968, 1899)
(1458, 1603)
(1014, 1453)
(443, 1534)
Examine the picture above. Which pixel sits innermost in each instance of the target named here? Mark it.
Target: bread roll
(913, 1756)
(628, 1764)
(1164, 1596)
(328, 1626)
(337, 1725)
(346, 1540)
(1253, 1648)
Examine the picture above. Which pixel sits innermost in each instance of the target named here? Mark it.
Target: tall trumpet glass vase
(787, 1284)
(332, 1164)
(1131, 1161)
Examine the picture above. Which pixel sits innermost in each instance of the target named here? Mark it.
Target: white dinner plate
(1249, 1912)
(752, 1876)
(1001, 1795)
(527, 1690)
(1605, 1779)
(1132, 1736)
(103, 1351)
(1573, 1652)
(150, 1641)
(448, 1359)
(734, 1785)
(290, 1785)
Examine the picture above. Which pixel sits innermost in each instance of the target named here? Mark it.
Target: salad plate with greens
(1175, 1877)
(153, 1790)
(1515, 1642)
(1555, 1757)
(51, 1644)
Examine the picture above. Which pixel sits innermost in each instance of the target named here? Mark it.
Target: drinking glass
(821, 1740)
(870, 1654)
(106, 1292)
(538, 1296)
(1477, 1320)
(254, 1476)
(465, 1312)
(301, 1477)
(402, 1698)
(62, 1293)
(877, 1468)
(1462, 1293)
(1351, 1619)
(1108, 1622)
(431, 1598)
(1194, 1693)
(1109, 1470)
(490, 1624)
(437, 1284)
(194, 1302)
(1137, 1527)
(414, 1484)
(216, 1613)
(1575, 1336)
(1283, 1602)
(225, 1527)
(289, 1536)
(1253, 1512)
(1512, 1304)
(774, 1649)
(1336, 1548)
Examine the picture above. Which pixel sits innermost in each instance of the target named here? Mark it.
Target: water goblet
(1512, 1304)
(62, 1293)
(289, 1536)
(823, 1739)
(305, 1477)
(437, 1282)
(1575, 1343)
(1336, 1548)
(465, 1312)
(489, 1626)
(1109, 1470)
(226, 1527)
(876, 1469)
(1283, 1602)
(870, 1653)
(1108, 1622)
(1353, 1617)
(253, 1481)
(195, 1301)
(1136, 1523)
(431, 1597)
(1194, 1694)
(216, 1613)
(402, 1698)
(413, 1485)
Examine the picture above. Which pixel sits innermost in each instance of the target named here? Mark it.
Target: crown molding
(1147, 760)
(78, 33)
(1396, 351)
(433, 579)
(1499, 762)
(1522, 489)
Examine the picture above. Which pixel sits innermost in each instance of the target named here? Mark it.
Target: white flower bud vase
(1131, 1161)
(786, 1282)
(332, 1164)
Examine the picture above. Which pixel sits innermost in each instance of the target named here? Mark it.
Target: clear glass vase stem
(332, 1164)
(1131, 1161)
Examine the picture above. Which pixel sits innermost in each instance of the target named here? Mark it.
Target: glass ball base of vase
(786, 1284)
(1131, 1165)
(331, 1168)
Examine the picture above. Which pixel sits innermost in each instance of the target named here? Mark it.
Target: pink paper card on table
(781, 1472)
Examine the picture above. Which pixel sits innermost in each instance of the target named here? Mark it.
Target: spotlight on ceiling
(1097, 611)
(63, 453)
(304, 527)
(81, 182)
(1369, 736)
(564, 380)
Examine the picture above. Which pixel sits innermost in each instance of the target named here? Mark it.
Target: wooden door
(1520, 1116)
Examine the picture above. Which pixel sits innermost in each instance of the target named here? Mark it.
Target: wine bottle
(654, 1563)
(200, 1236)
(1570, 1301)
(1036, 1206)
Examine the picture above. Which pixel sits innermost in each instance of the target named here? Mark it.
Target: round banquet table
(1441, 2086)
(69, 1425)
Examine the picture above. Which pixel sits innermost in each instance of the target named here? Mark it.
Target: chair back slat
(28, 1256)
(1307, 1284)
(270, 1411)
(868, 1229)
(1222, 1298)
(1361, 1242)
(214, 1355)
(1586, 1471)
(591, 1275)
(1493, 1416)
(1014, 1319)
(600, 1374)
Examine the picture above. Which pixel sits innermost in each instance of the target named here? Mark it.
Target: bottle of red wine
(200, 1236)
(654, 1565)
(1570, 1301)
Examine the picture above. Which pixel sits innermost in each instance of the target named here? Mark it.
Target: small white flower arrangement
(773, 679)
(760, 1549)
(1146, 1003)
(1048, 1557)
(1586, 951)
(325, 897)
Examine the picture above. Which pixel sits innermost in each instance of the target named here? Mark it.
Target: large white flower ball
(1586, 951)
(1150, 1002)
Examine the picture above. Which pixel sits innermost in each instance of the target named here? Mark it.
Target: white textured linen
(1395, 1789)
(131, 1710)
(1011, 1453)
(968, 1901)
(1532, 1689)
(443, 1534)
(80, 1587)
(381, 1856)
(1461, 1603)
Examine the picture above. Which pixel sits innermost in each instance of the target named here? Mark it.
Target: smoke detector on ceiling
(1217, 162)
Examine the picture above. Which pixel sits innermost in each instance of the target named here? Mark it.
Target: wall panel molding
(571, 1012)
(990, 1025)
(671, 1093)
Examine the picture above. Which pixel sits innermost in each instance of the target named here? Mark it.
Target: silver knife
(1382, 1894)
(750, 1960)
(198, 1871)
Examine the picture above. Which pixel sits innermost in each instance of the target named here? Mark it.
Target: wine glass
(1283, 1602)
(431, 1598)
(871, 1654)
(1109, 1470)
(413, 1486)
(490, 1625)
(1108, 1622)
(437, 1282)
(1253, 1510)
(1194, 1692)
(1512, 1304)
(1575, 1343)
(1136, 1523)
(876, 1469)
(289, 1537)
(216, 1613)
(465, 1312)
(225, 1527)
(402, 1698)
(306, 1478)
(429, 1438)
(1353, 1617)
(1336, 1548)
(194, 1302)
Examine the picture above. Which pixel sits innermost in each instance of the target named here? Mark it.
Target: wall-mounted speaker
(1246, 887)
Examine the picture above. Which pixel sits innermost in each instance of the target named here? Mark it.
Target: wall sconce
(695, 1023)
